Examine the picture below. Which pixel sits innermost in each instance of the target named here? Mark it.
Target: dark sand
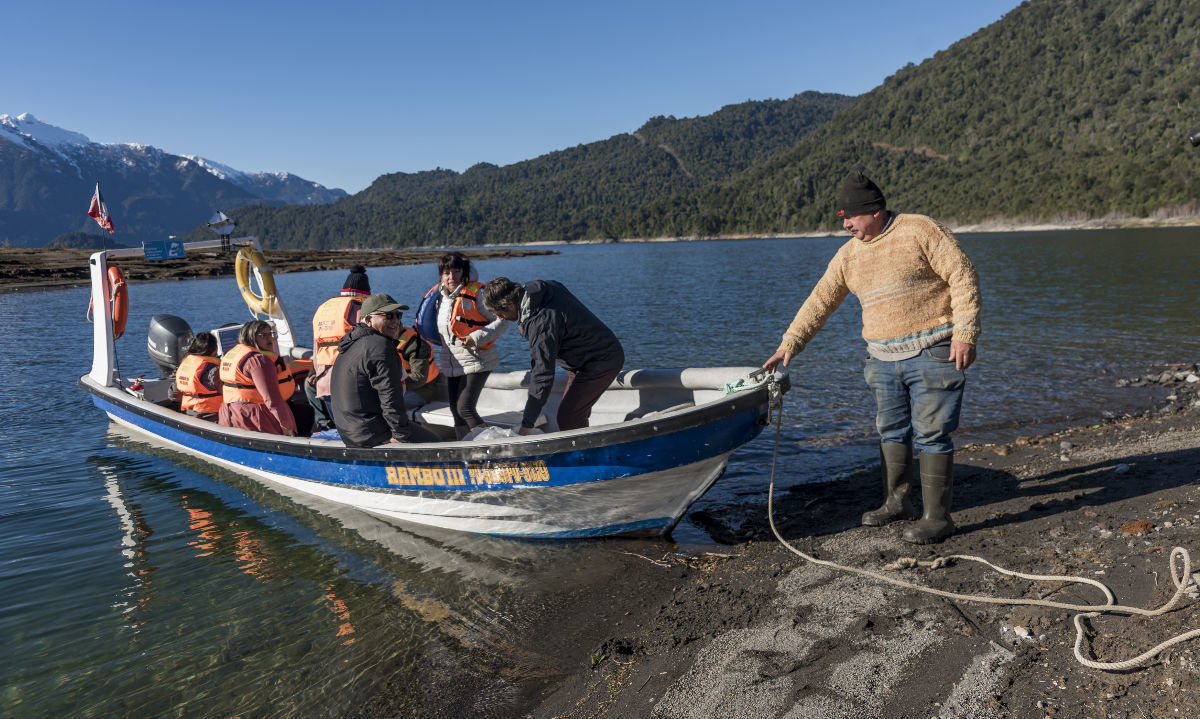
(763, 633)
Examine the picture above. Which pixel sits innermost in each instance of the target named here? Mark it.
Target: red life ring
(118, 294)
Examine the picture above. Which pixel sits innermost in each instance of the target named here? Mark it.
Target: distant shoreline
(43, 267)
(996, 226)
(49, 268)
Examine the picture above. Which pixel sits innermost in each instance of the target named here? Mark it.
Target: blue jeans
(917, 399)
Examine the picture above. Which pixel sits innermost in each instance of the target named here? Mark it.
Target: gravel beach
(752, 630)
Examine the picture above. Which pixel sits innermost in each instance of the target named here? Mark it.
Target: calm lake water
(139, 582)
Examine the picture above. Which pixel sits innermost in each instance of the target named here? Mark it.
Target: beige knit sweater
(916, 287)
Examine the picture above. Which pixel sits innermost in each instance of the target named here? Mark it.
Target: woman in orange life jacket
(251, 384)
(332, 320)
(467, 334)
(198, 379)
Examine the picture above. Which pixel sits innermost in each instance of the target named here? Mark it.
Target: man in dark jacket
(367, 384)
(559, 329)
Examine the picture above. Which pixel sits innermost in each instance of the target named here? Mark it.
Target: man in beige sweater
(920, 309)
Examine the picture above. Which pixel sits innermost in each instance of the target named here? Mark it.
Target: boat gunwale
(529, 446)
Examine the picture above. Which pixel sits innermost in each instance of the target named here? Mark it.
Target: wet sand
(24, 269)
(752, 630)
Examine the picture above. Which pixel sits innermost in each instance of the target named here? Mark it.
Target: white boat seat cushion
(438, 414)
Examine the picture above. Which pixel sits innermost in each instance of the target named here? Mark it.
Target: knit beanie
(859, 196)
(357, 284)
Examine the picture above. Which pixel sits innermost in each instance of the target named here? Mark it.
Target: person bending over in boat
(559, 329)
(198, 379)
(920, 312)
(332, 320)
(452, 316)
(367, 384)
(251, 383)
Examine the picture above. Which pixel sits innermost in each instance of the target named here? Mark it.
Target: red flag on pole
(99, 211)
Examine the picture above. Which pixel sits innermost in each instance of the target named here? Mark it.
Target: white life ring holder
(247, 257)
(119, 300)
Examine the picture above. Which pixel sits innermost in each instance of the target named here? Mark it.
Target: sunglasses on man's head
(393, 315)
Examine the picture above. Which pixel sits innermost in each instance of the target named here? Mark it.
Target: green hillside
(1063, 109)
(565, 195)
(1059, 110)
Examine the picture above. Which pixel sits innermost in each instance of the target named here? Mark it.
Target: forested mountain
(564, 195)
(1062, 109)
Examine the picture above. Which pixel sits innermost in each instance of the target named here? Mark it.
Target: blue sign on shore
(164, 250)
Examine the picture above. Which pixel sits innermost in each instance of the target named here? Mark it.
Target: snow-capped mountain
(284, 186)
(47, 175)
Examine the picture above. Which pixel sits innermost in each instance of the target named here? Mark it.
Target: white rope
(1088, 610)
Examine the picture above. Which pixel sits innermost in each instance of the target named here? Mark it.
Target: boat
(659, 438)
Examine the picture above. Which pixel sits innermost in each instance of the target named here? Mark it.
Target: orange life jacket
(330, 323)
(407, 336)
(465, 316)
(286, 375)
(236, 385)
(192, 394)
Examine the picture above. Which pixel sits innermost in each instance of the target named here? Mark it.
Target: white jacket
(456, 360)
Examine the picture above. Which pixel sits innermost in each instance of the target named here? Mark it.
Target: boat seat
(438, 414)
(668, 410)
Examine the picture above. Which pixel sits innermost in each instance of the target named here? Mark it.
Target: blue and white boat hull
(660, 438)
(634, 478)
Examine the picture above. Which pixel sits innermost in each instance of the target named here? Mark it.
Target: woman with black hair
(451, 315)
(198, 379)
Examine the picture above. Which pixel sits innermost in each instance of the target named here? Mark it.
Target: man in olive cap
(920, 311)
(367, 387)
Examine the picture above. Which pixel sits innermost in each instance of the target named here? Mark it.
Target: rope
(1088, 610)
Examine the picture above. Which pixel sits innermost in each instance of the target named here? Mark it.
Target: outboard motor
(167, 342)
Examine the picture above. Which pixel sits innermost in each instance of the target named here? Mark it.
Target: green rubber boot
(937, 481)
(896, 465)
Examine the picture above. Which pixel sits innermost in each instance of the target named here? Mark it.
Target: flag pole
(98, 211)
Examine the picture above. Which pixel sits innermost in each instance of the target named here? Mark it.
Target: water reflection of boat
(456, 585)
(403, 552)
(233, 521)
(660, 439)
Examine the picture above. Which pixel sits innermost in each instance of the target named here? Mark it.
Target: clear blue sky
(342, 92)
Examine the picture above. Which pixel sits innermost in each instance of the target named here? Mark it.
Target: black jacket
(366, 390)
(560, 329)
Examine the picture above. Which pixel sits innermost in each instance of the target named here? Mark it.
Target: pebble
(1137, 527)
(1121, 468)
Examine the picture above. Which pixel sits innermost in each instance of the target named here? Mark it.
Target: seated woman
(250, 384)
(198, 379)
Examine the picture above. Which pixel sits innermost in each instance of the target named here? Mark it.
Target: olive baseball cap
(379, 302)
